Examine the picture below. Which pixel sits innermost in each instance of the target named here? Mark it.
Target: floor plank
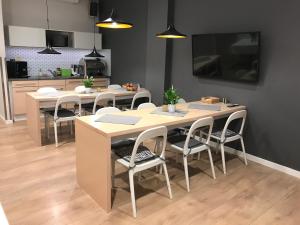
(38, 187)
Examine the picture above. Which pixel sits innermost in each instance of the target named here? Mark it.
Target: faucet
(53, 73)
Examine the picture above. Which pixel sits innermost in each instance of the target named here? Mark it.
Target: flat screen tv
(228, 56)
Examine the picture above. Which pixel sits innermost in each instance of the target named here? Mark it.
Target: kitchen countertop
(51, 78)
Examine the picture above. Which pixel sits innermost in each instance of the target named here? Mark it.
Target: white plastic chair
(141, 158)
(63, 115)
(104, 96)
(226, 135)
(181, 100)
(114, 87)
(107, 110)
(147, 105)
(142, 94)
(188, 145)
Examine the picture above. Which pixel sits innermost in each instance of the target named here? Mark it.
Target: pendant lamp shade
(48, 50)
(114, 23)
(171, 32)
(94, 53)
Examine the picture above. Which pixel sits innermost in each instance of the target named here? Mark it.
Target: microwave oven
(59, 38)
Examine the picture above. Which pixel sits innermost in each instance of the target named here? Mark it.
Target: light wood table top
(149, 120)
(51, 97)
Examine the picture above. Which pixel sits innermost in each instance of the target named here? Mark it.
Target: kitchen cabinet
(73, 83)
(57, 84)
(19, 90)
(85, 40)
(26, 36)
(98, 83)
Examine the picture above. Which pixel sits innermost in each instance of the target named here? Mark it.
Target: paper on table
(118, 119)
(177, 113)
(204, 106)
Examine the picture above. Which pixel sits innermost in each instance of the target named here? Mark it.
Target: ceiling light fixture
(114, 23)
(171, 32)
(94, 53)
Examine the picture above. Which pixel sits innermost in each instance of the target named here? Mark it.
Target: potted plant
(171, 97)
(88, 83)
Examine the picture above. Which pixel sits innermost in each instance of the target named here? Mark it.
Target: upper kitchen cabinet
(26, 36)
(85, 40)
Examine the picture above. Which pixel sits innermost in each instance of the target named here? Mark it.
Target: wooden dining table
(35, 102)
(93, 143)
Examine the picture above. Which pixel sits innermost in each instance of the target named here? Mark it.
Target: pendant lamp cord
(48, 26)
(94, 31)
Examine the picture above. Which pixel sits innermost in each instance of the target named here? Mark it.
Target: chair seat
(179, 140)
(217, 134)
(61, 113)
(90, 106)
(123, 102)
(143, 154)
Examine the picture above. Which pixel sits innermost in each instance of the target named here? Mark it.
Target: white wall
(62, 15)
(3, 80)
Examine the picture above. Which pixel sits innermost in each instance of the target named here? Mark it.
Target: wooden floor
(38, 186)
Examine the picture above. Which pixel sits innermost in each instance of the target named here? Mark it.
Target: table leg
(33, 119)
(93, 164)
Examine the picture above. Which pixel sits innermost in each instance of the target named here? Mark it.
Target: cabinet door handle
(24, 91)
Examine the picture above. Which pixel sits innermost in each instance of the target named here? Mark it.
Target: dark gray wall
(128, 46)
(156, 49)
(273, 104)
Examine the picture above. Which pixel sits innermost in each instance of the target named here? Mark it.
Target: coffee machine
(94, 67)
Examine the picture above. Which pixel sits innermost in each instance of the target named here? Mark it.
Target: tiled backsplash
(37, 61)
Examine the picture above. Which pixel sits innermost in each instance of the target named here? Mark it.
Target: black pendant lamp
(94, 53)
(171, 32)
(49, 50)
(114, 23)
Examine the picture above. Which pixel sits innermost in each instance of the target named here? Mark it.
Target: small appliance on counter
(94, 67)
(17, 69)
(77, 70)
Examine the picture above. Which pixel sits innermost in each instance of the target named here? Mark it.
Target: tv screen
(230, 56)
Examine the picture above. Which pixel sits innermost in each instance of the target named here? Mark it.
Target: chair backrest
(204, 122)
(181, 100)
(142, 94)
(151, 133)
(114, 87)
(107, 110)
(104, 96)
(147, 105)
(242, 114)
(67, 99)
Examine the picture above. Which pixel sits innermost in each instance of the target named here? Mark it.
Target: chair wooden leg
(167, 179)
(223, 158)
(185, 164)
(131, 183)
(211, 164)
(55, 134)
(244, 151)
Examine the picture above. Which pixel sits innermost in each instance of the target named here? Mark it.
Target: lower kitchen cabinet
(20, 88)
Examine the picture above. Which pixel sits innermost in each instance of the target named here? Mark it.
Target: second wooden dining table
(35, 102)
